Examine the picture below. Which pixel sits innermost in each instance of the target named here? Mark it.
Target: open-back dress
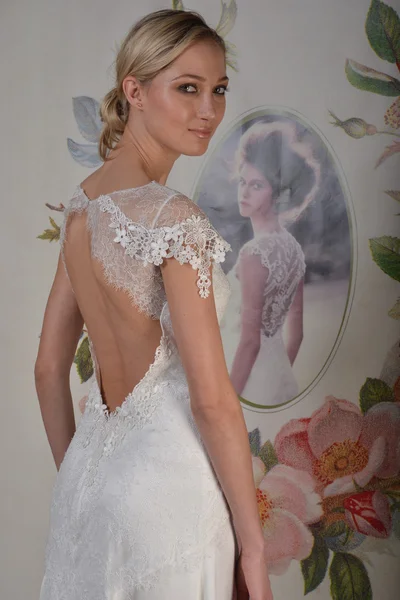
(137, 512)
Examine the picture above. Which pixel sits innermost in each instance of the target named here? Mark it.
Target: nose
(206, 109)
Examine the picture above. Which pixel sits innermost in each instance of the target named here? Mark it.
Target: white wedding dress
(271, 381)
(137, 512)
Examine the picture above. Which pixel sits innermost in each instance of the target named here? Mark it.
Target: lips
(202, 132)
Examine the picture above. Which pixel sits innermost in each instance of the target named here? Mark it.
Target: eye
(224, 89)
(184, 86)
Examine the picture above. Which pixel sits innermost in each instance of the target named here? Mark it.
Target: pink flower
(287, 503)
(369, 513)
(339, 446)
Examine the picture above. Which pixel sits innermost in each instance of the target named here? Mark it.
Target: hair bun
(287, 164)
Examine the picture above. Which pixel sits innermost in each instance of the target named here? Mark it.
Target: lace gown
(137, 512)
(271, 381)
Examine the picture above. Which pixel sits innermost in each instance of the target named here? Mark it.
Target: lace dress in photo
(271, 381)
(137, 512)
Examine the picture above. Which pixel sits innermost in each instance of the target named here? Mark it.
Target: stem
(389, 133)
(57, 208)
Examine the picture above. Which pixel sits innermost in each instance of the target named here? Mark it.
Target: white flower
(172, 233)
(158, 249)
(196, 261)
(121, 237)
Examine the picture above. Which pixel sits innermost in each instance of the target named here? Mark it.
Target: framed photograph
(275, 191)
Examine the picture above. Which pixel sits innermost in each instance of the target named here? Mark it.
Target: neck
(144, 153)
(265, 223)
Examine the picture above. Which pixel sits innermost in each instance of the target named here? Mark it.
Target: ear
(133, 91)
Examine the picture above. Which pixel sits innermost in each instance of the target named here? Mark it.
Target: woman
(140, 507)
(270, 267)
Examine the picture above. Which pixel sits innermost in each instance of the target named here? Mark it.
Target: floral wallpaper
(329, 482)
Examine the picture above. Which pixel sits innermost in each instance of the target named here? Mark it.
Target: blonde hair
(150, 46)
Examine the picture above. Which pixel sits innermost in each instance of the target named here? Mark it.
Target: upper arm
(253, 276)
(187, 276)
(196, 329)
(62, 326)
(295, 313)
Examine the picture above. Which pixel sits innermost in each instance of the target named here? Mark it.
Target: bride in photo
(277, 179)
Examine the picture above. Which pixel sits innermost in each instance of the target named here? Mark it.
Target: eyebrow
(254, 180)
(225, 78)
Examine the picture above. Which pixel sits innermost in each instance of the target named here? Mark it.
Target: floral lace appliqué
(193, 240)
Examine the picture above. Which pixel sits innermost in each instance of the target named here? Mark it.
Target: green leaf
(336, 528)
(177, 5)
(393, 493)
(394, 508)
(314, 567)
(385, 251)
(394, 312)
(53, 235)
(268, 455)
(395, 194)
(396, 527)
(227, 18)
(83, 360)
(383, 31)
(367, 79)
(349, 578)
(231, 53)
(358, 488)
(338, 509)
(255, 442)
(373, 392)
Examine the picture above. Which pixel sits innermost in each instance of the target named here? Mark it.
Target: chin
(245, 211)
(195, 151)
(195, 146)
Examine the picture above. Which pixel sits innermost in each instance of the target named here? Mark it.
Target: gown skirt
(271, 381)
(137, 512)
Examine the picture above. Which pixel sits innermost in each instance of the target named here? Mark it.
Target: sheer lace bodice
(133, 230)
(283, 259)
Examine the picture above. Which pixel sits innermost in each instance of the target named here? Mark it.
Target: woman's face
(185, 103)
(254, 192)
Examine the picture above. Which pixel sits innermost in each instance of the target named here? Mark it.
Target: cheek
(173, 107)
(220, 110)
(256, 198)
(263, 199)
(167, 116)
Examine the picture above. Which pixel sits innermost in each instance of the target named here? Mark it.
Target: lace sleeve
(253, 277)
(180, 230)
(183, 231)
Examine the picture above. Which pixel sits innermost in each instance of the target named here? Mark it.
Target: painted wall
(327, 455)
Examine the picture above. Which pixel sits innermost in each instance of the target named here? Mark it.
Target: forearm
(56, 407)
(245, 357)
(225, 437)
(293, 345)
